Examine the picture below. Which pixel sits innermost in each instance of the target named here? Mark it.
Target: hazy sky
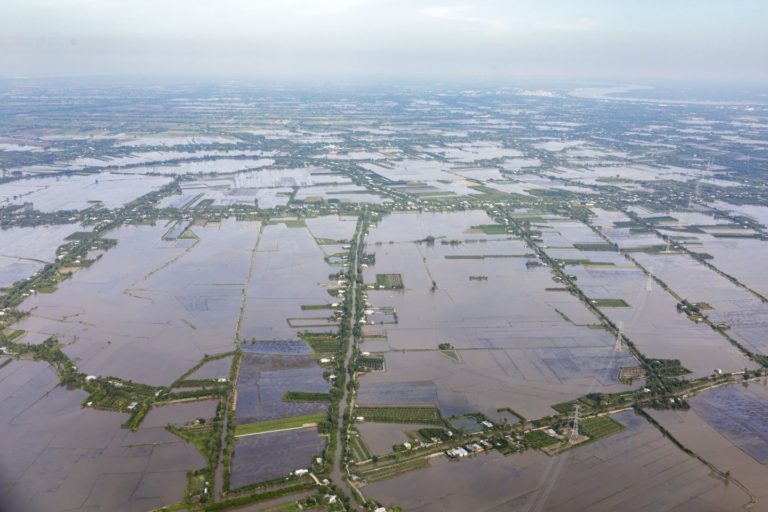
(616, 40)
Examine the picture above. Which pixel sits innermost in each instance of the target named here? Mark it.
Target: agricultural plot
(379, 438)
(400, 414)
(149, 309)
(599, 426)
(724, 426)
(646, 312)
(60, 455)
(743, 315)
(389, 281)
(263, 457)
(552, 351)
(264, 380)
(740, 416)
(24, 251)
(613, 473)
(275, 425)
(289, 271)
(78, 192)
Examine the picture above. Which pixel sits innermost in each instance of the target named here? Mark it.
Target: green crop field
(429, 415)
(389, 280)
(595, 247)
(492, 229)
(610, 303)
(539, 439)
(278, 424)
(600, 426)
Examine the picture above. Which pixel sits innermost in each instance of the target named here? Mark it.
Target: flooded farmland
(727, 426)
(176, 303)
(623, 472)
(528, 344)
(64, 457)
(78, 192)
(24, 251)
(233, 297)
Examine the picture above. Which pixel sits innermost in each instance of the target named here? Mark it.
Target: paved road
(338, 473)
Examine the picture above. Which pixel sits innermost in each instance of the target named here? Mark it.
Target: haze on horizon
(484, 40)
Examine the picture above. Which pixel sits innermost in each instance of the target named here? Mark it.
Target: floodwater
(265, 379)
(59, 456)
(289, 270)
(149, 309)
(380, 437)
(651, 321)
(727, 426)
(636, 469)
(216, 369)
(262, 457)
(526, 349)
(51, 194)
(24, 251)
(180, 413)
(745, 315)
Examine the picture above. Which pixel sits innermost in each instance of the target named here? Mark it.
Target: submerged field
(527, 348)
(637, 469)
(230, 297)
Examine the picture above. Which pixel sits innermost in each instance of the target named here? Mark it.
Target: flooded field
(488, 272)
(637, 469)
(59, 456)
(24, 251)
(289, 271)
(648, 314)
(266, 378)
(286, 295)
(149, 309)
(727, 426)
(745, 315)
(78, 192)
(380, 437)
(271, 455)
(180, 414)
(555, 349)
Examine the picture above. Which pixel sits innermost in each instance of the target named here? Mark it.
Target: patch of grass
(595, 247)
(659, 219)
(302, 396)
(79, 235)
(651, 249)
(322, 343)
(279, 424)
(313, 307)
(610, 303)
(492, 229)
(486, 256)
(295, 223)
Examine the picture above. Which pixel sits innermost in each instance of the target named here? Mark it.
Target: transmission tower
(649, 283)
(619, 339)
(576, 419)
